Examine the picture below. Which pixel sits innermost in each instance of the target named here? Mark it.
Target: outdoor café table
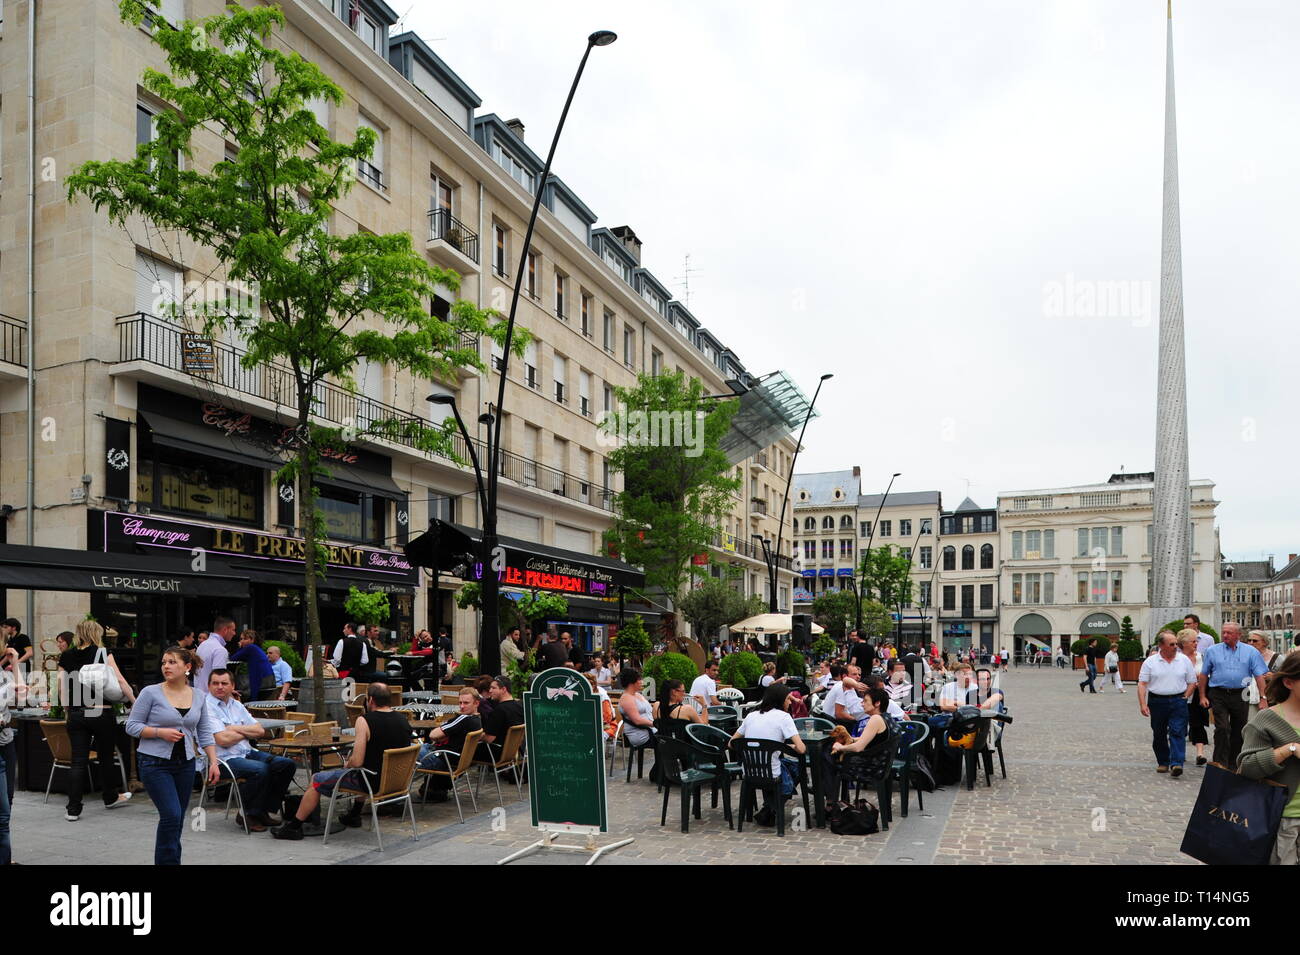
(274, 726)
(314, 747)
(420, 696)
(268, 705)
(816, 741)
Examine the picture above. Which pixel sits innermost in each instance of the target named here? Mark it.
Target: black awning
(184, 436)
(55, 568)
(362, 480)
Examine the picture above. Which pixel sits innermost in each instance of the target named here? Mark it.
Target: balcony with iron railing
(13, 344)
(451, 242)
(144, 338)
(735, 545)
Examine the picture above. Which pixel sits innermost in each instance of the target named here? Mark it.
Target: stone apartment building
(1279, 606)
(1241, 585)
(968, 575)
(147, 450)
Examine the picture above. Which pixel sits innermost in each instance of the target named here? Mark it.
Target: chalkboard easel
(566, 763)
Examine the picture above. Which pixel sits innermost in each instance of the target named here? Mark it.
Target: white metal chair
(226, 774)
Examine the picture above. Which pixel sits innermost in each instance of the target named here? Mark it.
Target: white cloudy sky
(888, 191)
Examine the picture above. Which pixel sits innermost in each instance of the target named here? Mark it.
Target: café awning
(60, 569)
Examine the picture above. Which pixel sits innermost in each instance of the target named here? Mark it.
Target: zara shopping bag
(1235, 820)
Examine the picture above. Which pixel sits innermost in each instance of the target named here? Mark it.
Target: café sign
(542, 572)
(122, 530)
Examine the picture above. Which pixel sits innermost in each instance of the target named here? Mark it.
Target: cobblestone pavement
(1068, 755)
(1081, 788)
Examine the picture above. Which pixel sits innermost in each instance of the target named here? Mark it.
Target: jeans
(1230, 714)
(1092, 675)
(169, 783)
(5, 850)
(1168, 729)
(267, 780)
(87, 732)
(9, 752)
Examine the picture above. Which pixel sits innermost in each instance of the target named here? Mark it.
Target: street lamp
(489, 636)
(772, 558)
(872, 536)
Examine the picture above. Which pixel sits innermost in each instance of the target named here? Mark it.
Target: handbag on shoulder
(1235, 820)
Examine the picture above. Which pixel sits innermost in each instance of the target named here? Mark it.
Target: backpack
(922, 777)
(862, 818)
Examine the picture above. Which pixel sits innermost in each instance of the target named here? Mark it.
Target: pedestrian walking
(1112, 669)
(1228, 667)
(1259, 641)
(1090, 660)
(1271, 750)
(1198, 718)
(172, 722)
(1165, 683)
(91, 722)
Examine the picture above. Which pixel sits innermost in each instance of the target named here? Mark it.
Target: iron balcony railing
(443, 225)
(143, 337)
(732, 543)
(13, 341)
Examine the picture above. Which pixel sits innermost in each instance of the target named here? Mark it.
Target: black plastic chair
(757, 775)
(914, 734)
(879, 753)
(674, 758)
(632, 748)
(709, 747)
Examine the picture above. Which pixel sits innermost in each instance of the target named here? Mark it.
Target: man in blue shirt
(1227, 668)
(251, 654)
(266, 777)
(281, 671)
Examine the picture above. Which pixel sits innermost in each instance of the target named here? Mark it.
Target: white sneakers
(70, 817)
(122, 800)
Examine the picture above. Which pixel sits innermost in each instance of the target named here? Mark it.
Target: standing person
(12, 693)
(1165, 683)
(350, 653)
(861, 653)
(1228, 667)
(1112, 668)
(21, 644)
(1203, 640)
(91, 724)
(1271, 660)
(510, 648)
(281, 672)
(212, 651)
(1090, 659)
(1271, 750)
(1197, 716)
(185, 639)
(172, 722)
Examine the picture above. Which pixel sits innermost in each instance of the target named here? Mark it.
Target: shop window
(181, 482)
(351, 515)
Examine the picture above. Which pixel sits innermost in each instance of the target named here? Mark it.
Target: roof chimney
(857, 471)
(1290, 557)
(516, 126)
(630, 242)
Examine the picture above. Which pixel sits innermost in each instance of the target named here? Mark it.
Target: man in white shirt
(212, 651)
(1165, 682)
(847, 707)
(955, 694)
(705, 688)
(267, 777)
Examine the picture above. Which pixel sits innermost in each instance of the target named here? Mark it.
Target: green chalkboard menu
(566, 755)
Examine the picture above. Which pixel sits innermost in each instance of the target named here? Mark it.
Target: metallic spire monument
(1171, 578)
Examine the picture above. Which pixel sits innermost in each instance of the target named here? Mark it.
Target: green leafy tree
(632, 642)
(1126, 631)
(835, 610)
(823, 646)
(367, 608)
(876, 621)
(715, 604)
(885, 573)
(522, 612)
(678, 487)
(790, 662)
(323, 301)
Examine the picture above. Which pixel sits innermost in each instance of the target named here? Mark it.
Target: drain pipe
(31, 299)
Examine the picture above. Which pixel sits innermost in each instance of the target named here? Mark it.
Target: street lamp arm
(780, 525)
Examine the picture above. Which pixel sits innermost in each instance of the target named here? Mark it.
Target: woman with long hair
(91, 721)
(672, 712)
(1270, 749)
(172, 723)
(1198, 718)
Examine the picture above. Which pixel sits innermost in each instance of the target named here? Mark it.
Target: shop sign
(155, 532)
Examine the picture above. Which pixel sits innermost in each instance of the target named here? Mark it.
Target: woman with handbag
(1270, 749)
(172, 723)
(89, 684)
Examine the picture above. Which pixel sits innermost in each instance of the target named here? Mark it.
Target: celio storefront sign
(121, 531)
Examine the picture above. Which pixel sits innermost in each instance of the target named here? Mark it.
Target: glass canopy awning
(771, 409)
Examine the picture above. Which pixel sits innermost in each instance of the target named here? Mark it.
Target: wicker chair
(511, 761)
(60, 743)
(354, 710)
(454, 771)
(393, 784)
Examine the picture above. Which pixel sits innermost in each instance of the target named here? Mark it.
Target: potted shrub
(632, 642)
(1079, 646)
(790, 662)
(1176, 625)
(823, 647)
(741, 670)
(669, 666)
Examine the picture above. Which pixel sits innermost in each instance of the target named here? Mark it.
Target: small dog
(841, 735)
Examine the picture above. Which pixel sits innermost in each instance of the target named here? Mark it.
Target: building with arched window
(826, 510)
(1278, 604)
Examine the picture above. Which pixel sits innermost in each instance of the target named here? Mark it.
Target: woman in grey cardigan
(172, 723)
(1271, 750)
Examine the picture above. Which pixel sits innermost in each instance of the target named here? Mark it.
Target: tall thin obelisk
(1171, 578)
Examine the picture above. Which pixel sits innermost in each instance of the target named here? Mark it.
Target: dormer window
(838, 494)
(370, 30)
(513, 167)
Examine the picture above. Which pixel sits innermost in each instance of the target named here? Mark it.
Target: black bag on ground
(922, 777)
(862, 818)
(947, 765)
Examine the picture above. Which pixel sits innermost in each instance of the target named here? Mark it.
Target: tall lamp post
(771, 557)
(870, 537)
(493, 563)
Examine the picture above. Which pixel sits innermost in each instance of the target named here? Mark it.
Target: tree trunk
(310, 532)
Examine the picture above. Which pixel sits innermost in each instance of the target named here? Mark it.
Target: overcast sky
(920, 197)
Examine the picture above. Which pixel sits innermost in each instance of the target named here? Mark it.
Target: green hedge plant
(468, 668)
(1080, 646)
(1131, 650)
(671, 666)
(741, 670)
(289, 655)
(791, 662)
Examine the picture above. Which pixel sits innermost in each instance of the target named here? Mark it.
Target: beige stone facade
(438, 174)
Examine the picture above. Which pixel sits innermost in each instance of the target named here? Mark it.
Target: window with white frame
(367, 27)
(584, 393)
(561, 283)
(371, 171)
(905, 528)
(927, 557)
(629, 346)
(530, 364)
(513, 167)
(607, 330)
(500, 251)
(656, 362)
(532, 275)
(560, 374)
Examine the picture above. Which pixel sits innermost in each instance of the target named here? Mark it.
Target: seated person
(988, 696)
(846, 708)
(449, 736)
(422, 645)
(897, 684)
(672, 711)
(771, 721)
(251, 654)
(875, 726)
(634, 709)
(823, 678)
(893, 710)
(267, 777)
(604, 678)
(483, 683)
(380, 728)
(506, 712)
(769, 675)
(607, 718)
(281, 673)
(955, 694)
(874, 723)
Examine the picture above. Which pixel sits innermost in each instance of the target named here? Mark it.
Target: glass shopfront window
(181, 482)
(351, 515)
